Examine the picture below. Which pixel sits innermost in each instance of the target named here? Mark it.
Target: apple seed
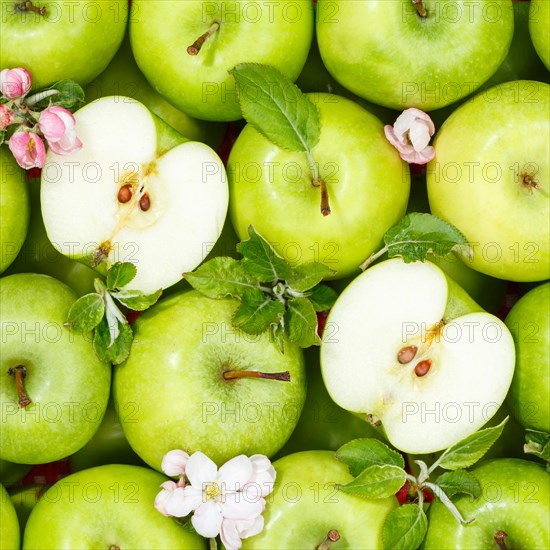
(423, 367)
(125, 193)
(19, 373)
(145, 202)
(407, 354)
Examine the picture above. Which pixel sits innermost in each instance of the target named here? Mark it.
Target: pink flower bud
(6, 117)
(58, 126)
(28, 149)
(15, 82)
(174, 463)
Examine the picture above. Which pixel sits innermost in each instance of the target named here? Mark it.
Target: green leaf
(322, 297)
(2, 137)
(278, 336)
(135, 300)
(257, 312)
(468, 451)
(276, 107)
(360, 454)
(120, 274)
(86, 313)
(120, 348)
(301, 323)
(221, 277)
(306, 276)
(377, 481)
(459, 481)
(260, 260)
(70, 96)
(404, 528)
(537, 443)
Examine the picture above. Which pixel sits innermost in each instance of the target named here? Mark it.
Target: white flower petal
(200, 470)
(242, 506)
(250, 527)
(263, 478)
(419, 135)
(174, 463)
(235, 473)
(194, 496)
(405, 120)
(230, 535)
(207, 519)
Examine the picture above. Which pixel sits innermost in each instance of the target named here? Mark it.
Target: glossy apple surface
(9, 533)
(539, 27)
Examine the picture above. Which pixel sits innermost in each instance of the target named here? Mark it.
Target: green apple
(106, 507)
(178, 379)
(11, 473)
(529, 322)
(52, 366)
(415, 352)
(257, 31)
(387, 53)
(490, 179)
(305, 506)
(368, 189)
(14, 208)
(514, 499)
(24, 500)
(134, 193)
(539, 27)
(10, 536)
(123, 78)
(59, 40)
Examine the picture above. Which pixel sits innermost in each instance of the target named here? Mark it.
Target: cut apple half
(409, 348)
(136, 192)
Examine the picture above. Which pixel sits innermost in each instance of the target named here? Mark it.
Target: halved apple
(136, 192)
(410, 348)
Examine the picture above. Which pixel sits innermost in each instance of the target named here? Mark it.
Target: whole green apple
(391, 54)
(54, 390)
(489, 179)
(14, 208)
(367, 182)
(539, 27)
(178, 388)
(217, 34)
(9, 533)
(305, 506)
(106, 507)
(59, 40)
(514, 499)
(529, 323)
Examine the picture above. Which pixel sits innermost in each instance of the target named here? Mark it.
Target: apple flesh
(176, 195)
(415, 352)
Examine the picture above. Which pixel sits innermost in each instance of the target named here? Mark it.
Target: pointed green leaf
(276, 107)
(70, 95)
(322, 297)
(301, 323)
(537, 443)
(260, 260)
(459, 481)
(118, 351)
(377, 481)
(468, 451)
(86, 313)
(306, 276)
(257, 312)
(278, 336)
(404, 528)
(137, 301)
(359, 454)
(221, 277)
(120, 274)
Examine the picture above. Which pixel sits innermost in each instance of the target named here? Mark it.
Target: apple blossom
(28, 149)
(170, 500)
(58, 126)
(174, 462)
(15, 82)
(411, 134)
(6, 117)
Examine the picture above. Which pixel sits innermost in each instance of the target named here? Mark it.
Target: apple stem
(332, 536)
(19, 373)
(325, 208)
(499, 539)
(29, 6)
(234, 374)
(195, 48)
(420, 8)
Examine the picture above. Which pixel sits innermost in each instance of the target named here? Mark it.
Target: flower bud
(6, 117)
(58, 126)
(15, 83)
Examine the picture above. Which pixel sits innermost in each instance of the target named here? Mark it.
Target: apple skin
(539, 27)
(10, 535)
(305, 506)
(14, 208)
(476, 181)
(173, 379)
(69, 42)
(514, 499)
(384, 52)
(529, 323)
(104, 507)
(123, 78)
(368, 188)
(256, 31)
(67, 383)
(24, 500)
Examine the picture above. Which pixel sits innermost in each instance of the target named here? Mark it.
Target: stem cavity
(19, 373)
(332, 536)
(235, 374)
(195, 48)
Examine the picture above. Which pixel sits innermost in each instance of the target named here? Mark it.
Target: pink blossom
(28, 149)
(58, 126)
(6, 117)
(174, 462)
(411, 134)
(15, 82)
